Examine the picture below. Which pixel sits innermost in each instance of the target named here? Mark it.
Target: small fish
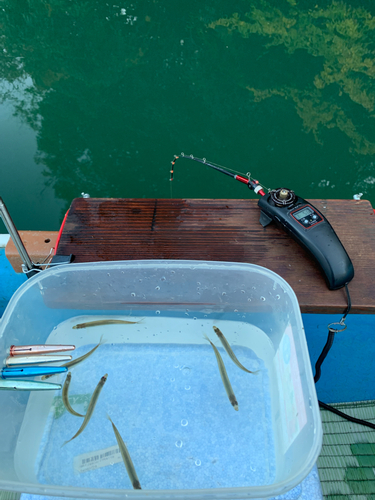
(65, 396)
(126, 458)
(101, 322)
(74, 362)
(228, 348)
(91, 407)
(224, 376)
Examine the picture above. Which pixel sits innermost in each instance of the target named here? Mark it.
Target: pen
(17, 350)
(36, 360)
(27, 385)
(31, 371)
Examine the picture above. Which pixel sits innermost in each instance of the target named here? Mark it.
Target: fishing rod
(301, 220)
(251, 183)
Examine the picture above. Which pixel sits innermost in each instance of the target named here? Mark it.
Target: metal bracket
(264, 219)
(61, 259)
(29, 267)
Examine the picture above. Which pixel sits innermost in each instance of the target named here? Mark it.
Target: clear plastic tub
(164, 391)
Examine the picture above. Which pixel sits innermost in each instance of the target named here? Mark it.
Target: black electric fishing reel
(302, 221)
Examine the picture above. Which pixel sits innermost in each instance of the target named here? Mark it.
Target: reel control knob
(282, 197)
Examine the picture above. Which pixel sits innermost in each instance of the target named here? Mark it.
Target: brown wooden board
(99, 229)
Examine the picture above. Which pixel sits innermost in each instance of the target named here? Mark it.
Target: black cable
(349, 303)
(331, 336)
(322, 357)
(344, 415)
(326, 348)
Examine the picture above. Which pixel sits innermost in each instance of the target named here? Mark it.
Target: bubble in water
(278, 297)
(157, 287)
(194, 317)
(249, 299)
(198, 462)
(253, 287)
(242, 291)
(163, 278)
(224, 293)
(184, 422)
(172, 379)
(178, 444)
(253, 468)
(177, 366)
(157, 312)
(187, 387)
(132, 294)
(263, 298)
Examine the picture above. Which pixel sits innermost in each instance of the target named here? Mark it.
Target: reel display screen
(303, 213)
(306, 216)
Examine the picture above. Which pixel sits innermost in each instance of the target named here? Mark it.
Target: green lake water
(98, 97)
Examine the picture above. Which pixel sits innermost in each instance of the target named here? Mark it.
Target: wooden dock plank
(99, 229)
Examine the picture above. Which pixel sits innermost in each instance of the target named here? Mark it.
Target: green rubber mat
(347, 461)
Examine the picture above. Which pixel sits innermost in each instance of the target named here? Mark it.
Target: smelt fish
(74, 362)
(224, 376)
(65, 396)
(126, 458)
(91, 408)
(228, 348)
(101, 322)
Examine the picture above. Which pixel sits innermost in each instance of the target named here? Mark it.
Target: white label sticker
(97, 459)
(291, 393)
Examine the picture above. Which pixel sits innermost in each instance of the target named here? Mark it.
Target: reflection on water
(113, 91)
(343, 38)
